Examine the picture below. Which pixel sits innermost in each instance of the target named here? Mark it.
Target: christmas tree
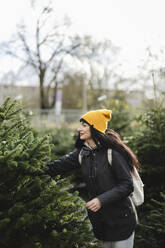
(35, 210)
(155, 225)
(149, 144)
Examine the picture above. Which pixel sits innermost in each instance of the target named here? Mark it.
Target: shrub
(35, 211)
(148, 142)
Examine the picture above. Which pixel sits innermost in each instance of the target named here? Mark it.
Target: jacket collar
(87, 145)
(87, 150)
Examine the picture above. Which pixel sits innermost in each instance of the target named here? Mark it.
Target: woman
(110, 210)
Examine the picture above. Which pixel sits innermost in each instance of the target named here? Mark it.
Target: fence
(49, 118)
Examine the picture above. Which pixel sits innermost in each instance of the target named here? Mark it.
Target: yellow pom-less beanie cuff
(98, 119)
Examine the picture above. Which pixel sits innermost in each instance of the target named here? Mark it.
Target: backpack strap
(80, 156)
(109, 153)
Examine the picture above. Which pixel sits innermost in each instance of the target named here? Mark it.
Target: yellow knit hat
(98, 118)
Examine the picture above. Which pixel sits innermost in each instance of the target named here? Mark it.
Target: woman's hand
(94, 205)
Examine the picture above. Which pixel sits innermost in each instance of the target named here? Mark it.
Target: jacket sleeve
(124, 185)
(65, 164)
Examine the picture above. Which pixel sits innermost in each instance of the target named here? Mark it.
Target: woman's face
(84, 130)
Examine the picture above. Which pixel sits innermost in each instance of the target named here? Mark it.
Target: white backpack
(137, 196)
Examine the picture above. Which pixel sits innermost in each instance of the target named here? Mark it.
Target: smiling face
(84, 130)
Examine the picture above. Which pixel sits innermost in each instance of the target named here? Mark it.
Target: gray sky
(131, 24)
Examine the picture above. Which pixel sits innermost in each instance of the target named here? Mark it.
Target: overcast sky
(131, 24)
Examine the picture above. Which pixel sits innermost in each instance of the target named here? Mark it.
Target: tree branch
(27, 50)
(56, 71)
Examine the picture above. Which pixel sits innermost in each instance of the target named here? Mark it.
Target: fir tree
(149, 145)
(152, 231)
(35, 211)
(148, 142)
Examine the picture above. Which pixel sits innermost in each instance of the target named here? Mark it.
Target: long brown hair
(111, 139)
(119, 145)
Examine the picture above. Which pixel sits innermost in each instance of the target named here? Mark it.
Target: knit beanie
(98, 119)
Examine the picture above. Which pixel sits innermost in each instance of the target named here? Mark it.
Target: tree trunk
(43, 104)
(54, 95)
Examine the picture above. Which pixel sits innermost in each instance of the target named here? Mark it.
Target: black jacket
(112, 184)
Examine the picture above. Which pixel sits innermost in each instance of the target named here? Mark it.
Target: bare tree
(44, 50)
(47, 47)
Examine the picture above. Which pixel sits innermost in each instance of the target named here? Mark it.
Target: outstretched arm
(65, 164)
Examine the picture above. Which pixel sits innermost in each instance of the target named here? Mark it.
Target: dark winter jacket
(112, 185)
